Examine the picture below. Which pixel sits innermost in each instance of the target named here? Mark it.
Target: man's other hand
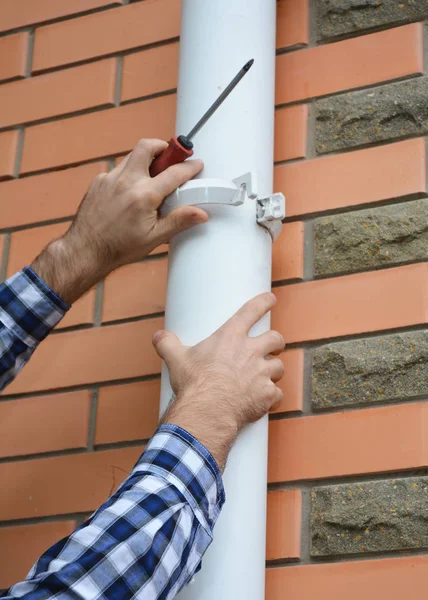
(226, 381)
(118, 222)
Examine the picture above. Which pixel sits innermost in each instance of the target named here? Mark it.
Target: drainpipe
(216, 267)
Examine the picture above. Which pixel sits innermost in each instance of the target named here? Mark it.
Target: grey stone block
(377, 516)
(342, 17)
(373, 238)
(387, 368)
(374, 115)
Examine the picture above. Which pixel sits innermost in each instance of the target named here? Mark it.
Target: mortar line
(93, 409)
(5, 256)
(119, 79)
(30, 53)
(98, 304)
(19, 150)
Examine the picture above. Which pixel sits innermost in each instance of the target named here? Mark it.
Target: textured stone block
(374, 115)
(341, 17)
(375, 516)
(387, 368)
(368, 239)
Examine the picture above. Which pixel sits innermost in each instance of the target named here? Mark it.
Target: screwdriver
(181, 147)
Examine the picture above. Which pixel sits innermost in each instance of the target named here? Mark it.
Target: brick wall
(80, 82)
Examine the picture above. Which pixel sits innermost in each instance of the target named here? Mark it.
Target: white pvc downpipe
(215, 268)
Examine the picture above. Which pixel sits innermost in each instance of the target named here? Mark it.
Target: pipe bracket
(270, 212)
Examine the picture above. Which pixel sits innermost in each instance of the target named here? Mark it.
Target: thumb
(167, 345)
(180, 219)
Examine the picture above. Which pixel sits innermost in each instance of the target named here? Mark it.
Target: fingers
(170, 179)
(138, 162)
(270, 342)
(276, 369)
(278, 397)
(178, 220)
(167, 345)
(252, 312)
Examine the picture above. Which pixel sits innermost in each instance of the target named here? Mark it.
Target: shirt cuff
(180, 458)
(29, 308)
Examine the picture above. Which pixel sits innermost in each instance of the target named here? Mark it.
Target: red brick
(135, 290)
(19, 13)
(150, 72)
(375, 440)
(127, 412)
(288, 253)
(349, 64)
(45, 197)
(292, 382)
(106, 33)
(63, 485)
(352, 304)
(37, 98)
(91, 355)
(97, 135)
(21, 546)
(292, 23)
(355, 178)
(291, 132)
(44, 424)
(8, 147)
(26, 245)
(284, 524)
(390, 578)
(13, 56)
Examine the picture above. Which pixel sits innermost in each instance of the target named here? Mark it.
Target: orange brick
(150, 72)
(291, 132)
(352, 304)
(359, 177)
(37, 488)
(390, 578)
(284, 523)
(292, 382)
(353, 63)
(291, 127)
(292, 23)
(19, 13)
(92, 355)
(135, 290)
(45, 197)
(21, 546)
(41, 97)
(349, 443)
(106, 33)
(13, 56)
(8, 146)
(127, 412)
(97, 135)
(61, 420)
(26, 245)
(287, 254)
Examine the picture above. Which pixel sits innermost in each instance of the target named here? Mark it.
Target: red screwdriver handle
(174, 154)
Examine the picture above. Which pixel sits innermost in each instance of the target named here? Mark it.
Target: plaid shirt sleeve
(29, 310)
(147, 540)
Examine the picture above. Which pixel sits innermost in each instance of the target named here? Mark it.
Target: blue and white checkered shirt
(147, 540)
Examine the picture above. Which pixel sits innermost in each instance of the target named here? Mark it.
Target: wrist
(204, 418)
(68, 270)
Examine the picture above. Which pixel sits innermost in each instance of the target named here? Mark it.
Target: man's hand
(118, 222)
(226, 381)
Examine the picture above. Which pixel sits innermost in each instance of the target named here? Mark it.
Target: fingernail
(157, 336)
(273, 297)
